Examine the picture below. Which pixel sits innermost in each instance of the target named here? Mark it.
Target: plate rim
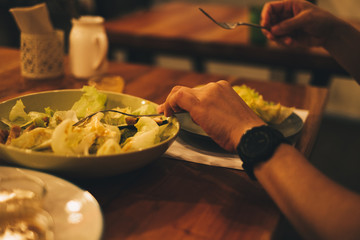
(202, 133)
(66, 183)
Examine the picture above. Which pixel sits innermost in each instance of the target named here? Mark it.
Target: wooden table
(174, 199)
(179, 28)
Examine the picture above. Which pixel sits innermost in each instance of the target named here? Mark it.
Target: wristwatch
(258, 145)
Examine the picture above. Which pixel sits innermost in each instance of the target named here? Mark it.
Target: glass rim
(26, 177)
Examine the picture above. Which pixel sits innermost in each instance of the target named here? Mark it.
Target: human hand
(217, 108)
(297, 23)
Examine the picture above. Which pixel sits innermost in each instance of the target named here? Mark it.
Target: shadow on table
(167, 191)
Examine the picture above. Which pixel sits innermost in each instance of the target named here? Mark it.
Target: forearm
(344, 46)
(316, 206)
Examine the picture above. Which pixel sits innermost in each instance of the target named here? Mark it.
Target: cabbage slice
(60, 116)
(65, 140)
(109, 147)
(33, 139)
(70, 140)
(147, 135)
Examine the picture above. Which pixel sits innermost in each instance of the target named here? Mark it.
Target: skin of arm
(300, 23)
(318, 207)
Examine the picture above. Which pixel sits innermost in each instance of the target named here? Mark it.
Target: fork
(116, 111)
(228, 25)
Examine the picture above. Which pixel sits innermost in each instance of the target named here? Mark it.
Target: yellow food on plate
(108, 83)
(270, 112)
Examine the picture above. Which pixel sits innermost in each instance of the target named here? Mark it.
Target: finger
(284, 41)
(289, 41)
(160, 108)
(183, 99)
(168, 109)
(265, 15)
(275, 12)
(268, 34)
(225, 85)
(179, 100)
(290, 25)
(165, 107)
(175, 89)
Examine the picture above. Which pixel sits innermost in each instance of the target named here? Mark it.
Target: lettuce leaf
(266, 110)
(91, 101)
(18, 115)
(145, 109)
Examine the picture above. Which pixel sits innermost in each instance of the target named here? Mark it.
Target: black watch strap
(258, 145)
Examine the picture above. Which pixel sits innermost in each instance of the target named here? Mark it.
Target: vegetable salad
(53, 130)
(270, 112)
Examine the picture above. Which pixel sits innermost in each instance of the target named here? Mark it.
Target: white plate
(76, 213)
(289, 127)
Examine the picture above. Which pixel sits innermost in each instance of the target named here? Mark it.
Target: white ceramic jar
(88, 47)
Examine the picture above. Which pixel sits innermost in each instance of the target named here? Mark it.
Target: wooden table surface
(180, 28)
(174, 199)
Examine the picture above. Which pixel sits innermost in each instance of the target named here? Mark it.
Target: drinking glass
(21, 209)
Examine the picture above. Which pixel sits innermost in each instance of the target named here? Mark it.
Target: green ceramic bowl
(81, 166)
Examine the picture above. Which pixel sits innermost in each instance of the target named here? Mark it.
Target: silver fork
(228, 25)
(116, 111)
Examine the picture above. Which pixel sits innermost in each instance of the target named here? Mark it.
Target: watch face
(256, 143)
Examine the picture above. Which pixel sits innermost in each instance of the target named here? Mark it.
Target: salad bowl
(90, 165)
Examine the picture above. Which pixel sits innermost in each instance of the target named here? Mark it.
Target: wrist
(242, 124)
(237, 134)
(258, 145)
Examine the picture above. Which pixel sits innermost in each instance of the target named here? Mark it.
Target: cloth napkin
(203, 150)
(33, 20)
